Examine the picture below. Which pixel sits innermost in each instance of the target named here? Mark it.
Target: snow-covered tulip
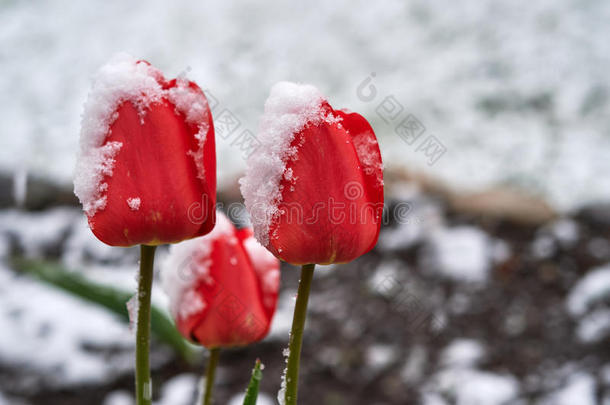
(314, 189)
(146, 172)
(222, 287)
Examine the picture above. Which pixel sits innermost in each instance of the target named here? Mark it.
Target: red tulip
(314, 189)
(223, 287)
(147, 157)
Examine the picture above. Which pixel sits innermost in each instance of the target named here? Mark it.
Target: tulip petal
(324, 216)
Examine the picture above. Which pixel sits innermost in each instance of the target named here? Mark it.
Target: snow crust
(592, 287)
(289, 108)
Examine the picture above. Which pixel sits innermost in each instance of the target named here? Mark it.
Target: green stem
(143, 383)
(296, 335)
(210, 373)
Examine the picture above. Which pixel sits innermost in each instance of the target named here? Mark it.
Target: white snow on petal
(92, 166)
(594, 286)
(194, 106)
(125, 79)
(289, 108)
(134, 203)
(122, 79)
(267, 268)
(367, 151)
(187, 264)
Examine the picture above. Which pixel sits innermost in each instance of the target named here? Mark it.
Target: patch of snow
(379, 356)
(50, 332)
(469, 387)
(599, 248)
(594, 327)
(461, 253)
(282, 320)
(20, 186)
(385, 280)
(500, 251)
(119, 398)
(36, 232)
(414, 367)
(462, 353)
(134, 203)
(415, 220)
(193, 104)
(262, 399)
(431, 398)
(594, 286)
(543, 247)
(366, 149)
(566, 231)
(580, 389)
(132, 310)
(82, 247)
(267, 268)
(289, 108)
(179, 390)
(281, 394)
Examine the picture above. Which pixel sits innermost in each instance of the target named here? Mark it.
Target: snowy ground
(496, 82)
(453, 311)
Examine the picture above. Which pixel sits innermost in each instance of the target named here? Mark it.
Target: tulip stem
(145, 279)
(210, 373)
(291, 376)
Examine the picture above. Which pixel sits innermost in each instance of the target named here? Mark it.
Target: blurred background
(490, 284)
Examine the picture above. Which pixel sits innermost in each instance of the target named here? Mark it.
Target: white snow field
(495, 82)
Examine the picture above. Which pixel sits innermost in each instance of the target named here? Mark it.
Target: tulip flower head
(223, 286)
(147, 156)
(314, 190)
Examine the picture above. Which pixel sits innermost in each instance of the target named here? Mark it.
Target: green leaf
(252, 391)
(108, 297)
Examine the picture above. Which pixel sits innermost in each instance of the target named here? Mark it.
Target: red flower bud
(314, 189)
(223, 286)
(147, 157)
